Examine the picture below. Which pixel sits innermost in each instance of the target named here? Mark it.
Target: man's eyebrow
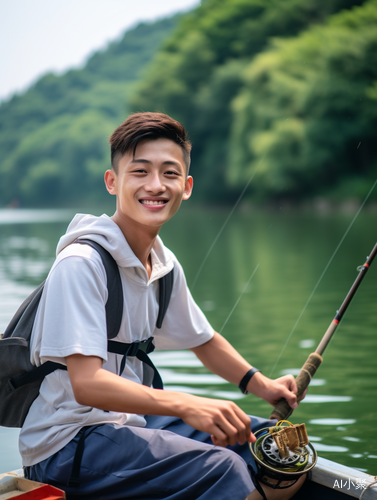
(140, 160)
(167, 162)
(172, 162)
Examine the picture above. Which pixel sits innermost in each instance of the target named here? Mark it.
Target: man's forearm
(220, 357)
(94, 386)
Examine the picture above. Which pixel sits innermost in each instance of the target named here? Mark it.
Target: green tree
(53, 137)
(304, 123)
(62, 162)
(195, 76)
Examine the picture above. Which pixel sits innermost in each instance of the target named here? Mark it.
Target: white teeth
(153, 202)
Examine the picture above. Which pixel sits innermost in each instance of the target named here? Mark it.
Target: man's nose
(155, 183)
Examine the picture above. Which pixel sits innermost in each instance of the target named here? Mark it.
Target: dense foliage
(53, 138)
(305, 121)
(201, 71)
(283, 92)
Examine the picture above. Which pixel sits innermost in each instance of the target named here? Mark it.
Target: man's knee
(230, 463)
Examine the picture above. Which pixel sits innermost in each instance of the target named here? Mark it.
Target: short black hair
(147, 125)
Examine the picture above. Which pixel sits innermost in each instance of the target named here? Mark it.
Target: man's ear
(188, 188)
(111, 181)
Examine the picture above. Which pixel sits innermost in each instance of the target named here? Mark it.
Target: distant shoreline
(316, 205)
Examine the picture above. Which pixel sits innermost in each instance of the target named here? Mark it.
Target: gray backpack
(20, 380)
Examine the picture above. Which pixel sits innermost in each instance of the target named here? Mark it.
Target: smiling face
(150, 184)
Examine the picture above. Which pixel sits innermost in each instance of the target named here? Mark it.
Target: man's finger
(233, 430)
(291, 399)
(243, 424)
(235, 424)
(219, 437)
(290, 383)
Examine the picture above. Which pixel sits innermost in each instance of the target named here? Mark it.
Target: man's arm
(221, 358)
(96, 387)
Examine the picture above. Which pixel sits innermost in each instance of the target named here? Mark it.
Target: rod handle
(282, 410)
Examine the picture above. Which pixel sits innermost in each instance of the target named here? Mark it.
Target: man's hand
(224, 420)
(273, 390)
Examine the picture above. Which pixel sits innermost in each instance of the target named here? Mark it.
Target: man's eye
(171, 172)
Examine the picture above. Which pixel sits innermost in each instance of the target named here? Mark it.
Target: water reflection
(24, 258)
(175, 358)
(320, 447)
(306, 344)
(174, 376)
(30, 216)
(321, 398)
(9, 457)
(332, 421)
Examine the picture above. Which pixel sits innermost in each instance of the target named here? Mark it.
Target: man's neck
(140, 239)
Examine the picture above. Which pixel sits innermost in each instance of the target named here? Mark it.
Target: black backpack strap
(255, 477)
(140, 349)
(114, 304)
(114, 312)
(157, 380)
(113, 307)
(74, 480)
(166, 288)
(38, 372)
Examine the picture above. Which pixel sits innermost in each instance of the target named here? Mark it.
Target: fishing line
(320, 278)
(223, 226)
(239, 298)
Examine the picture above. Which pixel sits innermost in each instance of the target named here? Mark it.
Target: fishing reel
(282, 454)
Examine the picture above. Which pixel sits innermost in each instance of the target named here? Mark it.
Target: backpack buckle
(11, 385)
(147, 345)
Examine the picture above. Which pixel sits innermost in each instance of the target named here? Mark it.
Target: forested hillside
(53, 138)
(281, 91)
(305, 121)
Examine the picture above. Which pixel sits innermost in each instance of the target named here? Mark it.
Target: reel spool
(271, 454)
(272, 470)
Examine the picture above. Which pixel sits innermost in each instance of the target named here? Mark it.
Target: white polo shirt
(71, 319)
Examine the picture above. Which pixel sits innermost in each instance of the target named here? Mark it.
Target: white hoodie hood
(107, 233)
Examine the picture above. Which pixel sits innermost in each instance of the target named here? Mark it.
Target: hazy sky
(37, 36)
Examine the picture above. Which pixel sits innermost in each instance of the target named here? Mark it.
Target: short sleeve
(71, 318)
(185, 326)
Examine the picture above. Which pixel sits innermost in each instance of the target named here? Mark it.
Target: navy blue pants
(167, 460)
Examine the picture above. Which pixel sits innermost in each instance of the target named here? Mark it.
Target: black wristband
(246, 379)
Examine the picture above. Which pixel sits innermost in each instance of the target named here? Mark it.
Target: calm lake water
(276, 323)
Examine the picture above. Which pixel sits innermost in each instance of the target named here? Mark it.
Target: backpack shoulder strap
(23, 320)
(166, 288)
(114, 304)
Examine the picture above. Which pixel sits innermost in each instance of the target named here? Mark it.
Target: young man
(100, 435)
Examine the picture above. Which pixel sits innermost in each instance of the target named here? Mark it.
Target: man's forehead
(159, 144)
(160, 149)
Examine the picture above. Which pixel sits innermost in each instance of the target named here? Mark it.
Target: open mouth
(153, 202)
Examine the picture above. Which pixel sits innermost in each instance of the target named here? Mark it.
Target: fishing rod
(322, 275)
(282, 410)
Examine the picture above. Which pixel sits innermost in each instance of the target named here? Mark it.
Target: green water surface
(298, 281)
